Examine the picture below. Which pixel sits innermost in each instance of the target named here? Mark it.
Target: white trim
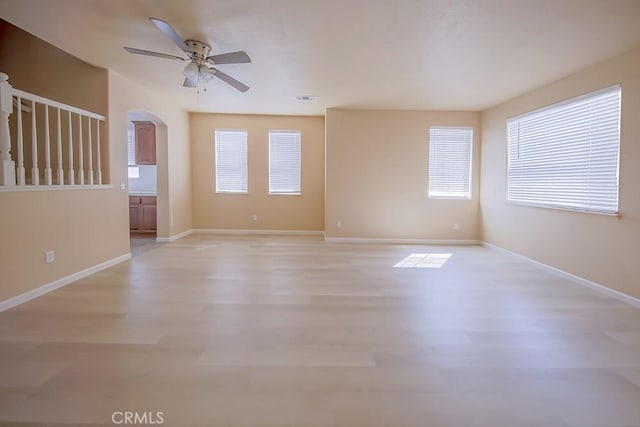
(617, 214)
(34, 293)
(601, 289)
(259, 232)
(456, 242)
(56, 187)
(174, 237)
(55, 104)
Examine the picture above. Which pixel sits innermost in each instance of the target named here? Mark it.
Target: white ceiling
(397, 54)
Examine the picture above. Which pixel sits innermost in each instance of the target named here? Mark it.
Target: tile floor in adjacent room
(293, 331)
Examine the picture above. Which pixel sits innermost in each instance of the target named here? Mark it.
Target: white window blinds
(231, 161)
(131, 145)
(284, 162)
(450, 154)
(566, 155)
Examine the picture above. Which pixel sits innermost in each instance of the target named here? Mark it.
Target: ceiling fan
(200, 68)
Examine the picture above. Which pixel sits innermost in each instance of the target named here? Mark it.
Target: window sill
(449, 198)
(232, 192)
(563, 208)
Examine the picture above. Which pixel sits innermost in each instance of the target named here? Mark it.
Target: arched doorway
(148, 179)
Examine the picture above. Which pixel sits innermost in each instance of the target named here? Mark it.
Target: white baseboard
(259, 232)
(450, 242)
(174, 237)
(34, 293)
(601, 289)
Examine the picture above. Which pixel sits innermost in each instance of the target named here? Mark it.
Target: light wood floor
(290, 331)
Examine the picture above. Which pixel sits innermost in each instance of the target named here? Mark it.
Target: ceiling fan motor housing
(199, 50)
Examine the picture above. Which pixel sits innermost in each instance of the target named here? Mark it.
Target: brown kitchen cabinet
(142, 214)
(145, 136)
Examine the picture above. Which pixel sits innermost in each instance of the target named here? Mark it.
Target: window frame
(215, 161)
(560, 104)
(283, 193)
(462, 196)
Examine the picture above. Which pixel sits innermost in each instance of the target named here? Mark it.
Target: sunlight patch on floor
(424, 261)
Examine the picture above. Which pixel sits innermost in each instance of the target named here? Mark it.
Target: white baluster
(71, 171)
(80, 152)
(90, 154)
(98, 148)
(35, 172)
(59, 145)
(21, 170)
(10, 175)
(7, 166)
(47, 148)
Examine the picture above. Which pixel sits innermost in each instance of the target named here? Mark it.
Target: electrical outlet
(455, 226)
(255, 217)
(50, 256)
(123, 186)
(339, 224)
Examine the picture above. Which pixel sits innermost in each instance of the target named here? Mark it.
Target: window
(450, 154)
(231, 161)
(131, 145)
(133, 171)
(284, 162)
(566, 155)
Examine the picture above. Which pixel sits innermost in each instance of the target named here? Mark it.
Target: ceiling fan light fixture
(191, 71)
(197, 70)
(204, 73)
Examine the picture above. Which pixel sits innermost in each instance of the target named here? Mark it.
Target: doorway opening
(142, 166)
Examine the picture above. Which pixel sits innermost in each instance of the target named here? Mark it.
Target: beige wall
(35, 66)
(172, 151)
(377, 167)
(54, 74)
(600, 248)
(274, 212)
(34, 222)
(83, 227)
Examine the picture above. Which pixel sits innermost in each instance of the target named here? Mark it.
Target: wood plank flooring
(292, 331)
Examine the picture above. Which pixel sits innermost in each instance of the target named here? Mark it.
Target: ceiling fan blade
(150, 53)
(239, 57)
(169, 32)
(190, 83)
(230, 80)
